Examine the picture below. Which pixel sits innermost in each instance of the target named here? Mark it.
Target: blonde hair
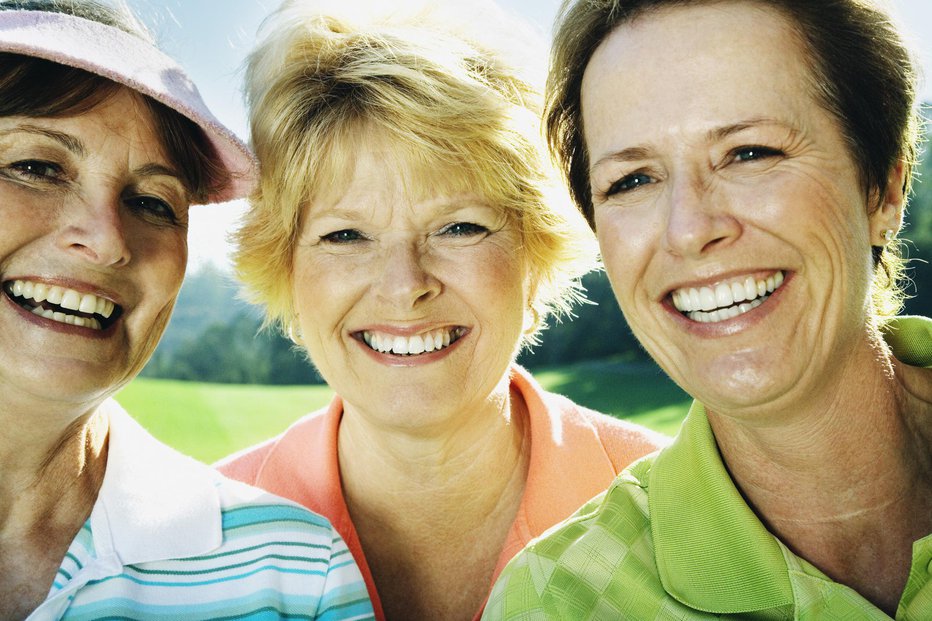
(317, 85)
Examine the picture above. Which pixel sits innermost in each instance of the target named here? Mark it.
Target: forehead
(380, 171)
(711, 63)
(123, 118)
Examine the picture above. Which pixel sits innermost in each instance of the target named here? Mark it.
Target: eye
(37, 170)
(343, 236)
(152, 208)
(752, 153)
(463, 229)
(628, 183)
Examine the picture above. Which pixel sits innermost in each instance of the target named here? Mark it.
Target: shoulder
(623, 441)
(274, 560)
(245, 465)
(599, 563)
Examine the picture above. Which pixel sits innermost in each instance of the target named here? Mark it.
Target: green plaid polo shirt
(673, 539)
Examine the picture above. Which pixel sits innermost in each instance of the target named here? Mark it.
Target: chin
(739, 384)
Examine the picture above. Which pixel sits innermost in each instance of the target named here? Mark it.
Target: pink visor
(128, 60)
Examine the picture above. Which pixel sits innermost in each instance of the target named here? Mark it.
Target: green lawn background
(208, 421)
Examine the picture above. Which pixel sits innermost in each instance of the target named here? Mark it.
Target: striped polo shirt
(169, 538)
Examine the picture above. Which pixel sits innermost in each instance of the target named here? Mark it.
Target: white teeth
(724, 301)
(88, 303)
(55, 295)
(723, 295)
(104, 308)
(694, 302)
(725, 313)
(70, 299)
(737, 292)
(414, 345)
(67, 299)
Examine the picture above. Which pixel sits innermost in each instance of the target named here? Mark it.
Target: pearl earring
(888, 235)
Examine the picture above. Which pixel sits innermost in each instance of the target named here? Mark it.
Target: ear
(531, 317)
(889, 213)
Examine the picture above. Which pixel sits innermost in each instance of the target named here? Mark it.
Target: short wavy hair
(318, 85)
(863, 72)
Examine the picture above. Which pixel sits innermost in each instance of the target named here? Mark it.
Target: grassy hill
(209, 421)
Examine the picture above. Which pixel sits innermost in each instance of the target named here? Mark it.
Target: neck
(50, 474)
(844, 475)
(433, 509)
(459, 465)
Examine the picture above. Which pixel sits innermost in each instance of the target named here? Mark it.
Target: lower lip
(57, 326)
(735, 324)
(393, 360)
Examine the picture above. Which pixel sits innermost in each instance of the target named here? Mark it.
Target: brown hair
(36, 87)
(863, 74)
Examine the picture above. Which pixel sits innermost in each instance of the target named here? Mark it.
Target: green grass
(209, 421)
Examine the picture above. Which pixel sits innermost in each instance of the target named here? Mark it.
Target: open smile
(425, 343)
(63, 305)
(725, 300)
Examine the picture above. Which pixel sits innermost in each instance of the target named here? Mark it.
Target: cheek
(626, 242)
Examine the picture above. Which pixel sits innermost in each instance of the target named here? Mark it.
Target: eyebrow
(157, 170)
(727, 130)
(717, 133)
(625, 155)
(67, 140)
(446, 205)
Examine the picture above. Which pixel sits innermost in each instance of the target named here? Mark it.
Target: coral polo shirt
(575, 454)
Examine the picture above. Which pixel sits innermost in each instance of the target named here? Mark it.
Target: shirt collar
(559, 435)
(154, 503)
(910, 339)
(739, 566)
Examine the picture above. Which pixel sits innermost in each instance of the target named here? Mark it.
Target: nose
(404, 281)
(699, 219)
(93, 229)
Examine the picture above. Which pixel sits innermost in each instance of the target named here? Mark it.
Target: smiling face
(731, 218)
(410, 304)
(92, 251)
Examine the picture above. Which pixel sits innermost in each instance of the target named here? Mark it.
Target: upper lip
(406, 330)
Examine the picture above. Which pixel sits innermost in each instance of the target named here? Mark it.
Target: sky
(210, 38)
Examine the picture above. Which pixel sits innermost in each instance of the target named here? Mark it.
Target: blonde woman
(402, 235)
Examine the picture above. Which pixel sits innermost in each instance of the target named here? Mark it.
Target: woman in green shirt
(745, 166)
